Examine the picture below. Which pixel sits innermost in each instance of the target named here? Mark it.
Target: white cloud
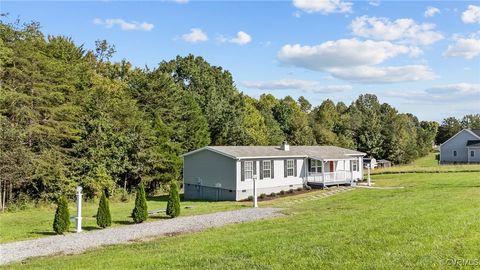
(431, 11)
(241, 38)
(471, 15)
(374, 3)
(302, 85)
(381, 75)
(124, 25)
(181, 1)
(401, 30)
(340, 53)
(195, 35)
(446, 93)
(455, 89)
(323, 6)
(466, 47)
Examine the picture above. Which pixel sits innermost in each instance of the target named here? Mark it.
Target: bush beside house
(140, 213)
(104, 218)
(173, 205)
(61, 222)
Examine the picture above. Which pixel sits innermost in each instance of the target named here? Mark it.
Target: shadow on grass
(161, 198)
(45, 233)
(90, 228)
(124, 222)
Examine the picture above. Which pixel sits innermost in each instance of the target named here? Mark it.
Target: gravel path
(79, 242)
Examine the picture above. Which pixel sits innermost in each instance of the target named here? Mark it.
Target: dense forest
(70, 116)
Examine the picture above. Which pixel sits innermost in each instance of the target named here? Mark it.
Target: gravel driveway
(79, 242)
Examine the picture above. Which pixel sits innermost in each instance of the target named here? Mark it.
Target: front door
(331, 166)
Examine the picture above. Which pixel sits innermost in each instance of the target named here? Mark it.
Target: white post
(79, 209)
(255, 204)
(369, 180)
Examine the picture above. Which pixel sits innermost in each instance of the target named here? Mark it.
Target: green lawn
(428, 164)
(37, 222)
(434, 218)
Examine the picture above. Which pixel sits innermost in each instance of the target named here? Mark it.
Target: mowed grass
(428, 164)
(37, 222)
(436, 217)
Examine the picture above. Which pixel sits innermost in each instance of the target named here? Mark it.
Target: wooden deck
(316, 184)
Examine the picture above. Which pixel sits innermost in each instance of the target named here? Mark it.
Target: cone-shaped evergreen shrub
(61, 222)
(104, 218)
(140, 213)
(173, 205)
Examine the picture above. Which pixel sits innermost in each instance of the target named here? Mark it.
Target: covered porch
(328, 172)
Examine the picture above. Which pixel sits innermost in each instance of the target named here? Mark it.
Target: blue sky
(422, 57)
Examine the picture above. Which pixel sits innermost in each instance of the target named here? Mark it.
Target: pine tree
(173, 205)
(139, 213)
(104, 218)
(61, 222)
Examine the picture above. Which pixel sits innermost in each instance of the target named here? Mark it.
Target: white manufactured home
(463, 147)
(227, 172)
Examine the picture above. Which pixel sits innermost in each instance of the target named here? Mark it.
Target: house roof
(476, 131)
(317, 152)
(473, 143)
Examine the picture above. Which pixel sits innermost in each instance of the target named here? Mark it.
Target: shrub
(290, 190)
(140, 213)
(173, 204)
(273, 194)
(299, 189)
(282, 192)
(263, 196)
(61, 222)
(104, 218)
(250, 198)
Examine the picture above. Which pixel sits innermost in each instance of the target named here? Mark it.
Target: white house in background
(227, 172)
(463, 147)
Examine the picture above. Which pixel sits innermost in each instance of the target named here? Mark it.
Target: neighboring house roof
(473, 143)
(474, 132)
(317, 152)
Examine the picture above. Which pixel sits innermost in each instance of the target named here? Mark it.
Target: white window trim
(356, 163)
(291, 168)
(269, 162)
(315, 165)
(248, 170)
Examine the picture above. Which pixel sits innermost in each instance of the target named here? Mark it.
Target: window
(354, 165)
(267, 169)
(248, 170)
(472, 153)
(315, 166)
(454, 153)
(290, 167)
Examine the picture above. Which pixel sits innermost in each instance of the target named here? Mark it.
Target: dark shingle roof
(476, 131)
(473, 143)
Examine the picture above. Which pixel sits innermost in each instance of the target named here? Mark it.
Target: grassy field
(37, 222)
(427, 164)
(433, 220)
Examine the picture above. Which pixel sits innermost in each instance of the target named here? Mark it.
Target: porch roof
(316, 152)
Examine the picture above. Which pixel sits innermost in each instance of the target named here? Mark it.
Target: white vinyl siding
(290, 167)
(267, 169)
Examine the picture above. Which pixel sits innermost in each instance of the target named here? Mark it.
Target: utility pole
(79, 209)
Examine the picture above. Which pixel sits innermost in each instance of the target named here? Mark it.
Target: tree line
(71, 116)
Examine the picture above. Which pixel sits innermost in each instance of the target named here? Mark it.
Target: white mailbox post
(79, 209)
(255, 204)
(369, 179)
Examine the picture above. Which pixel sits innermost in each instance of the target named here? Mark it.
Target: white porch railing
(329, 177)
